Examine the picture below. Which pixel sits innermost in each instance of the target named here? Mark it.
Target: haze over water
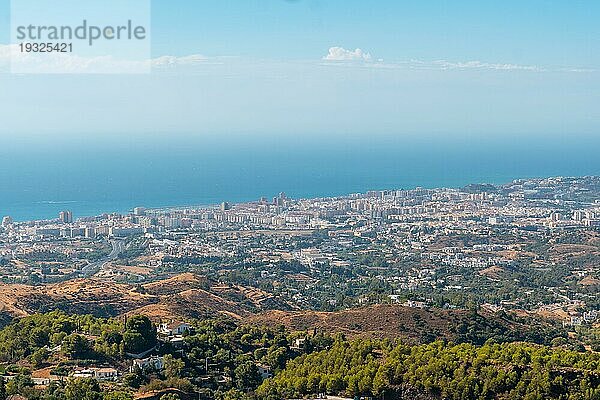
(90, 177)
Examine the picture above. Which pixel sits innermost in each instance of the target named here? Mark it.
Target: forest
(438, 370)
(220, 359)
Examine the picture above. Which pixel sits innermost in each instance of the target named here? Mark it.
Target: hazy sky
(335, 67)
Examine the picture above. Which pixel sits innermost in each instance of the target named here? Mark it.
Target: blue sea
(93, 175)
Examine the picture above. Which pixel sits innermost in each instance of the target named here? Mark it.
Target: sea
(91, 175)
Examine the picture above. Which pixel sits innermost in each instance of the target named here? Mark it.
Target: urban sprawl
(530, 245)
(218, 302)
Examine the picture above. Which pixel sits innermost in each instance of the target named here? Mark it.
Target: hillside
(413, 324)
(190, 296)
(77, 296)
(182, 296)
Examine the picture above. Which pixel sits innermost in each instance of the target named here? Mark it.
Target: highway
(118, 246)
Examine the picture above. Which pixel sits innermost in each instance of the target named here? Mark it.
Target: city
(529, 246)
(280, 278)
(299, 200)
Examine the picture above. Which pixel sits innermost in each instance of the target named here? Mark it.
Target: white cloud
(338, 56)
(578, 70)
(11, 56)
(341, 54)
(167, 61)
(443, 64)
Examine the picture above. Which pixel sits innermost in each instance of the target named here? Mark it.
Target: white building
(173, 328)
(154, 363)
(100, 374)
(264, 371)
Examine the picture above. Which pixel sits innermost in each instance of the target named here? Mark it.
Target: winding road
(118, 246)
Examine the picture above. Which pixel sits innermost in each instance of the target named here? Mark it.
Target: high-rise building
(280, 200)
(225, 206)
(7, 221)
(66, 217)
(555, 216)
(139, 211)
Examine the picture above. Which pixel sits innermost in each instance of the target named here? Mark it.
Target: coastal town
(181, 299)
(531, 245)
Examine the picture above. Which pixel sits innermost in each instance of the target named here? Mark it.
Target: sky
(272, 68)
